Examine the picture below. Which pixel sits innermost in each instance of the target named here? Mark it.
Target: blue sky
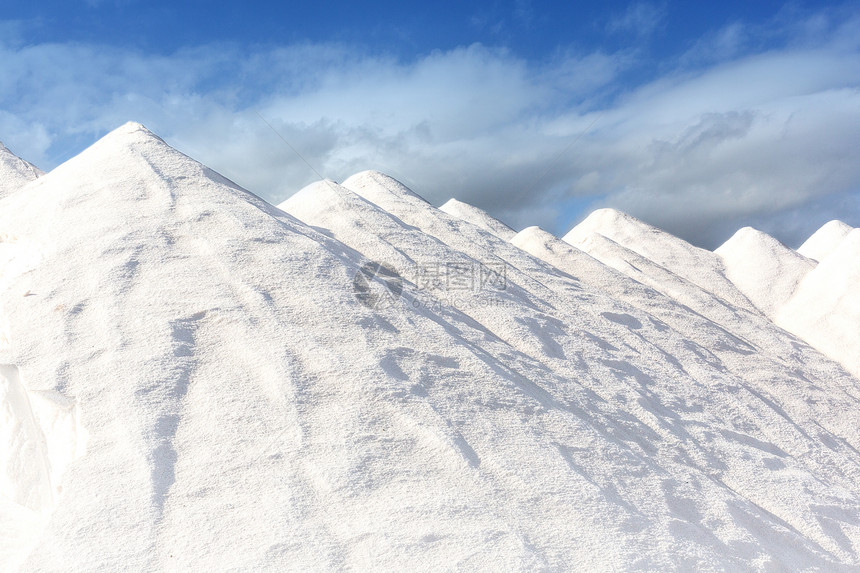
(697, 117)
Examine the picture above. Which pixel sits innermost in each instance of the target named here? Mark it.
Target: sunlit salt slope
(764, 269)
(196, 380)
(14, 172)
(825, 240)
(750, 274)
(826, 307)
(698, 266)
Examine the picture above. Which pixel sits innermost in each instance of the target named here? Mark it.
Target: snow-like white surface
(825, 240)
(14, 172)
(699, 266)
(477, 217)
(764, 269)
(825, 310)
(195, 380)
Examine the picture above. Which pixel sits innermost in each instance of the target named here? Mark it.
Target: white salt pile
(699, 266)
(477, 217)
(825, 310)
(14, 172)
(195, 380)
(764, 269)
(825, 240)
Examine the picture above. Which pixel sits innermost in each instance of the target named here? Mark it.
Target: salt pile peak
(153, 278)
(699, 266)
(243, 387)
(825, 310)
(477, 217)
(379, 188)
(764, 269)
(825, 240)
(14, 172)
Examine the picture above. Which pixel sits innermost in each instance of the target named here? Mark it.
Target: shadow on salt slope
(775, 539)
(626, 369)
(164, 456)
(829, 517)
(546, 329)
(622, 319)
(422, 386)
(747, 440)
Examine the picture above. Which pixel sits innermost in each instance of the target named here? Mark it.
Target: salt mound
(378, 185)
(825, 310)
(478, 217)
(327, 198)
(14, 172)
(608, 267)
(253, 393)
(825, 240)
(764, 269)
(699, 266)
(210, 342)
(535, 240)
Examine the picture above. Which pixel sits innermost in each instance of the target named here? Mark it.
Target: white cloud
(759, 137)
(756, 136)
(640, 19)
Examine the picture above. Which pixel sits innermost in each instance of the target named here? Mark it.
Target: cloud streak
(748, 136)
(640, 19)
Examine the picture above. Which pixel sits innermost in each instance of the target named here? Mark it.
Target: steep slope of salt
(699, 266)
(771, 343)
(606, 275)
(764, 269)
(643, 282)
(825, 240)
(244, 410)
(773, 384)
(748, 325)
(825, 310)
(477, 217)
(14, 172)
(196, 380)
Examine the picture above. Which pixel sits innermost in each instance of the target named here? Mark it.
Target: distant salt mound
(324, 196)
(580, 265)
(696, 265)
(379, 186)
(14, 172)
(764, 269)
(825, 310)
(196, 380)
(353, 220)
(478, 217)
(825, 240)
(540, 243)
(605, 278)
(600, 255)
(698, 315)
